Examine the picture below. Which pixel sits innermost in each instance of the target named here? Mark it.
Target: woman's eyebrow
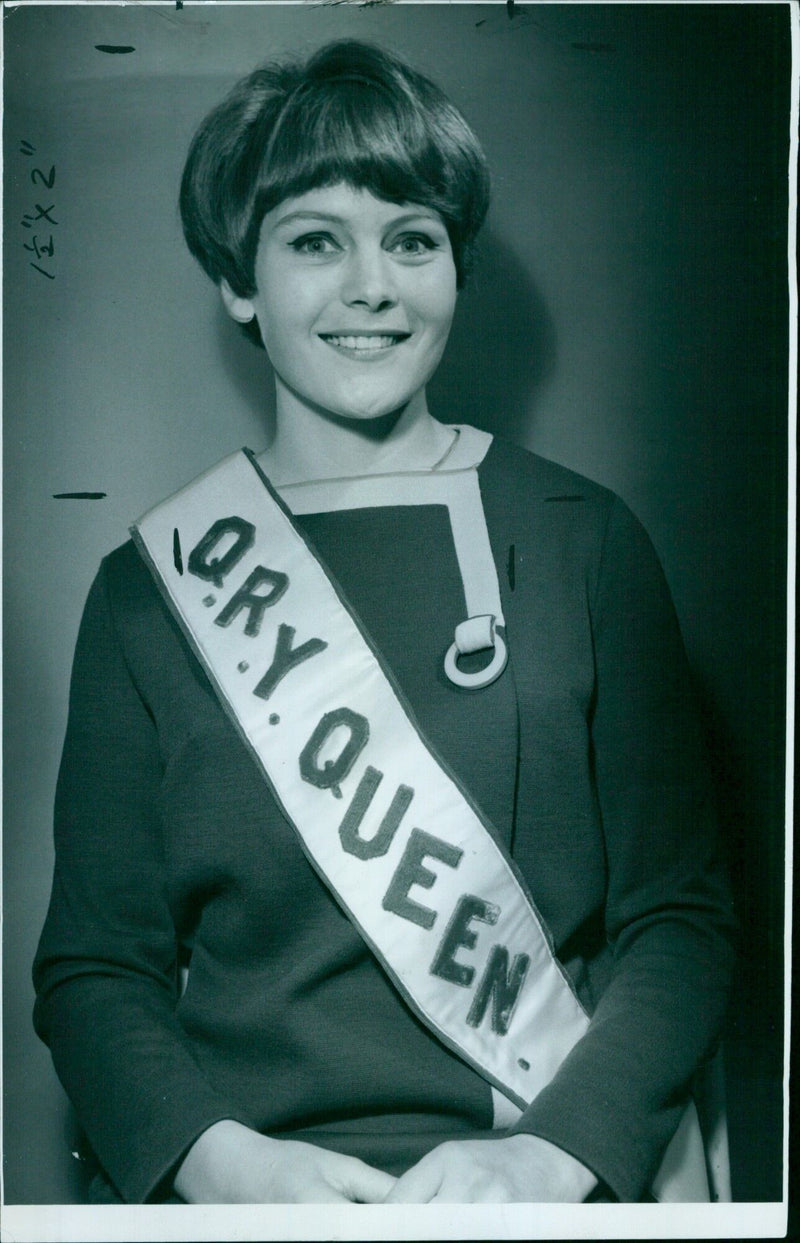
(430, 217)
(331, 218)
(291, 216)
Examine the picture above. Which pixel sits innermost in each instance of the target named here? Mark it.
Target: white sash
(390, 830)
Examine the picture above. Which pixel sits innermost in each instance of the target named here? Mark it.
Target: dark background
(628, 317)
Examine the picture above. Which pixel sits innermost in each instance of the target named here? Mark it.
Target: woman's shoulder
(125, 592)
(126, 577)
(535, 478)
(558, 514)
(525, 491)
(127, 614)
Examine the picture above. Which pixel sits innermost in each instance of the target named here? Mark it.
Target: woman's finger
(363, 1184)
(419, 1184)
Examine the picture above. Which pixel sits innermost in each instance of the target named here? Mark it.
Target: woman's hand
(231, 1164)
(516, 1169)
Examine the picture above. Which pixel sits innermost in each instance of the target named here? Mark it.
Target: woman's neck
(312, 445)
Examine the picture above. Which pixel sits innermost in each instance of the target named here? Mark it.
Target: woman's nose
(368, 280)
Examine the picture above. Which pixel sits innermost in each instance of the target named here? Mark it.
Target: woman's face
(355, 297)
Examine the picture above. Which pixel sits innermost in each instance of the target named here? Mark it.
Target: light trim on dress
(453, 482)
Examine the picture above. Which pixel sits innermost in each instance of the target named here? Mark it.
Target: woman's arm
(105, 971)
(105, 967)
(619, 1095)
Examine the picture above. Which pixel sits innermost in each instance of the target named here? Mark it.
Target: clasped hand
(517, 1169)
(232, 1164)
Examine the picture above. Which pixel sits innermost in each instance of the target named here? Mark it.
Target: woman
(289, 794)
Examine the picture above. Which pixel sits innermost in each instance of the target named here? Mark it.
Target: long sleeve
(619, 1095)
(106, 966)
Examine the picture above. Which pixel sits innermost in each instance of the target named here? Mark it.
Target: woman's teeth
(363, 343)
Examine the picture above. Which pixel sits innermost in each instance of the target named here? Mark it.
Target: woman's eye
(413, 244)
(314, 244)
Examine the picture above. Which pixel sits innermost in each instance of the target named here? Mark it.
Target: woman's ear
(240, 309)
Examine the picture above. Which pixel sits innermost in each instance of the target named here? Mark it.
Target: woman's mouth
(360, 345)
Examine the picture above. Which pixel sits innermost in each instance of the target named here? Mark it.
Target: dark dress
(585, 755)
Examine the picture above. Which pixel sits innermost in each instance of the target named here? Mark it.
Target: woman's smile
(344, 279)
(364, 347)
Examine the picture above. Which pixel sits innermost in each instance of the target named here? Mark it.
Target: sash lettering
(328, 756)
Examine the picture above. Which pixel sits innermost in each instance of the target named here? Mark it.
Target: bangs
(353, 130)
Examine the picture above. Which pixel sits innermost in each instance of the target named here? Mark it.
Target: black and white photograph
(399, 413)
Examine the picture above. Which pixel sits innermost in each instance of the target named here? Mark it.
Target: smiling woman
(386, 867)
(354, 299)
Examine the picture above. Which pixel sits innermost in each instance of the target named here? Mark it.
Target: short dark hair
(350, 113)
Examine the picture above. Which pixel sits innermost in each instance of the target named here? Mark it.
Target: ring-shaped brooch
(484, 677)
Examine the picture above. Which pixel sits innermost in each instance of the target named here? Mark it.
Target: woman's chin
(366, 417)
(371, 406)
